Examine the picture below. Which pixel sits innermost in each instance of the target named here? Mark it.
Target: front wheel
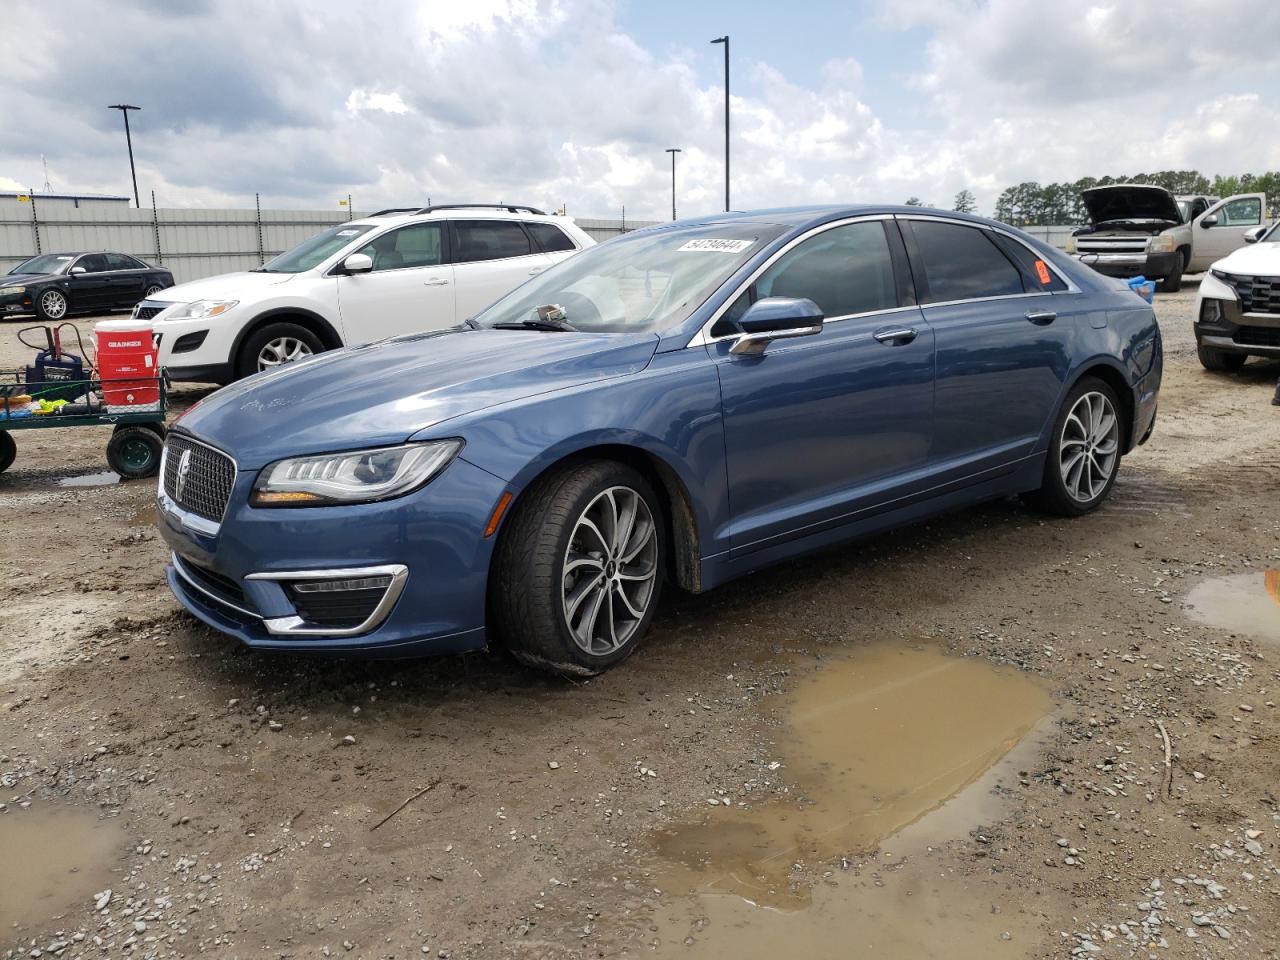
(1172, 281)
(579, 569)
(274, 345)
(8, 450)
(1084, 452)
(134, 451)
(1219, 361)
(52, 305)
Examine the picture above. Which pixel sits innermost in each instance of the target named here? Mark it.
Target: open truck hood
(1130, 201)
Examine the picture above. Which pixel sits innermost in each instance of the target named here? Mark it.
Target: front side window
(1246, 212)
(316, 250)
(550, 237)
(846, 270)
(417, 245)
(963, 263)
(92, 263)
(489, 240)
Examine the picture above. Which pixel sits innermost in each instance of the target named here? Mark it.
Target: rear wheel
(1220, 361)
(1084, 453)
(152, 291)
(1172, 281)
(134, 451)
(274, 345)
(579, 569)
(8, 450)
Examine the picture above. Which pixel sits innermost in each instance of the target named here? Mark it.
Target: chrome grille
(1111, 244)
(204, 486)
(148, 309)
(1257, 294)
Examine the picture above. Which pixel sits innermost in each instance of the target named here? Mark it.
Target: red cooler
(127, 364)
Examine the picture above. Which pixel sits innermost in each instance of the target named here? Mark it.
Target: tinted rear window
(550, 237)
(489, 240)
(962, 263)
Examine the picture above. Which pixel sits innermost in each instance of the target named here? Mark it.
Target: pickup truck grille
(1257, 294)
(1136, 244)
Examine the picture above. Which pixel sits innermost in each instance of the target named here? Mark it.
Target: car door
(820, 428)
(128, 279)
(1002, 343)
(89, 282)
(409, 289)
(1220, 230)
(491, 258)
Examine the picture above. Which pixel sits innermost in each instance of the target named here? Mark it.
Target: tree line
(1060, 203)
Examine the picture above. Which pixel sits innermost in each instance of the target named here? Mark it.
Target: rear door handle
(1041, 317)
(896, 336)
(437, 282)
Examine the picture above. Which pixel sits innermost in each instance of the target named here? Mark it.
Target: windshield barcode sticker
(715, 246)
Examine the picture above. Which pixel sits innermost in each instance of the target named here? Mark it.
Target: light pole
(124, 108)
(673, 151)
(725, 41)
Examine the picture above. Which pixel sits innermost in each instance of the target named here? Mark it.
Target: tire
(1084, 452)
(1172, 282)
(52, 305)
(134, 451)
(151, 291)
(547, 602)
(8, 450)
(1220, 361)
(278, 342)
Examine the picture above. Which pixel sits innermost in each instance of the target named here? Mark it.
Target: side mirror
(358, 263)
(76, 271)
(776, 318)
(1209, 221)
(1254, 235)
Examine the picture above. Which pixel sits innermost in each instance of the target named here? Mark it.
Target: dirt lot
(164, 793)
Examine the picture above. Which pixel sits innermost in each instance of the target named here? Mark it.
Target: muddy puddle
(55, 859)
(104, 479)
(1246, 603)
(871, 745)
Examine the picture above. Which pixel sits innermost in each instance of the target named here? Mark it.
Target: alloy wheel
(281, 350)
(1089, 447)
(53, 304)
(610, 571)
(153, 290)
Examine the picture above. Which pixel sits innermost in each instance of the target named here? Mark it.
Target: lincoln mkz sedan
(683, 404)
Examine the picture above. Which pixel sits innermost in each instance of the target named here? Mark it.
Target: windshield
(1272, 235)
(635, 284)
(1184, 208)
(315, 251)
(46, 263)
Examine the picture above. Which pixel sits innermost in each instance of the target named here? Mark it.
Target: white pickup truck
(1137, 229)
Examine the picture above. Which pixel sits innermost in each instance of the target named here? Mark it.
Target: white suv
(398, 271)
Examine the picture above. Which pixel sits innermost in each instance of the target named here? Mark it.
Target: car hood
(384, 393)
(1257, 259)
(1130, 201)
(11, 280)
(225, 286)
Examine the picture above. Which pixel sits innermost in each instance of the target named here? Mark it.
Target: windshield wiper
(559, 326)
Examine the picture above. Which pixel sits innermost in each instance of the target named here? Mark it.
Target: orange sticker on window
(1042, 271)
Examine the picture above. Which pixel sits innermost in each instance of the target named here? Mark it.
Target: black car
(53, 285)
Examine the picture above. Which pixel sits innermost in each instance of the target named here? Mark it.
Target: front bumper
(16, 304)
(1153, 266)
(434, 534)
(1220, 324)
(196, 350)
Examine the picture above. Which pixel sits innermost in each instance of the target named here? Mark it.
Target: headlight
(202, 309)
(1071, 244)
(357, 476)
(1163, 243)
(10, 291)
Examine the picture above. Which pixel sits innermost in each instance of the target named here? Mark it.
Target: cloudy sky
(573, 102)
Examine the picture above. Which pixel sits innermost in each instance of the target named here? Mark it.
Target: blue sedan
(684, 404)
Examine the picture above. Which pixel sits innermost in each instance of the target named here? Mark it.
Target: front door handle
(436, 282)
(896, 336)
(1041, 318)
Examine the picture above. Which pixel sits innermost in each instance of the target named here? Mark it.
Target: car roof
(495, 212)
(815, 214)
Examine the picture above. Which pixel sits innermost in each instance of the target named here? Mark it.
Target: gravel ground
(243, 793)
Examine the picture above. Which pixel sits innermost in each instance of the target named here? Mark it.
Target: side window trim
(704, 337)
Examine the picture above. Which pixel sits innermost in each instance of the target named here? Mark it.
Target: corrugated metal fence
(191, 242)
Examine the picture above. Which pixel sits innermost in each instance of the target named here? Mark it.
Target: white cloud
(551, 102)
